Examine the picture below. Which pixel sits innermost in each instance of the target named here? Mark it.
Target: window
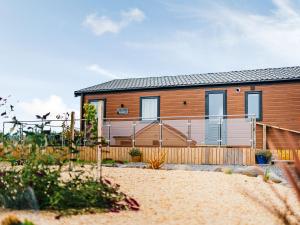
(215, 103)
(253, 104)
(149, 108)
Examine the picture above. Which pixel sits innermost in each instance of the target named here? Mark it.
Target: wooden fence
(174, 155)
(183, 155)
(177, 155)
(285, 154)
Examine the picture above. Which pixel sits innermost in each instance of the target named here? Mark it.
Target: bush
(265, 153)
(228, 171)
(13, 220)
(157, 162)
(38, 186)
(108, 161)
(135, 152)
(41, 182)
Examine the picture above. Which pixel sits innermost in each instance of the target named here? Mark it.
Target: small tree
(90, 115)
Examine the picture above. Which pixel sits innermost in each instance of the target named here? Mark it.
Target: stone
(251, 171)
(218, 169)
(274, 178)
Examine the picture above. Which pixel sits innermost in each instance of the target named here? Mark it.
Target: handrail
(178, 117)
(277, 127)
(133, 118)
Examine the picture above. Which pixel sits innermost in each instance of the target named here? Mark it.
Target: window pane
(253, 105)
(149, 108)
(216, 106)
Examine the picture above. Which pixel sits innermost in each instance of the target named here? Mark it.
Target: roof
(194, 80)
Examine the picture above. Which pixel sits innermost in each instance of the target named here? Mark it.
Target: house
(270, 95)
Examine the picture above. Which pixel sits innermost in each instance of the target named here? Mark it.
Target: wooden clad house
(270, 95)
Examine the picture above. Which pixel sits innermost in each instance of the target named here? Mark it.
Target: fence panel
(184, 155)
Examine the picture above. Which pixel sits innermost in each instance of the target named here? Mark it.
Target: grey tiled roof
(193, 80)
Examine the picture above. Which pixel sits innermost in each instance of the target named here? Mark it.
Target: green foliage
(38, 184)
(90, 115)
(267, 175)
(13, 220)
(228, 171)
(108, 161)
(37, 140)
(135, 152)
(41, 183)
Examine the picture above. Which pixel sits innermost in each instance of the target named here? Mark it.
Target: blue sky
(49, 49)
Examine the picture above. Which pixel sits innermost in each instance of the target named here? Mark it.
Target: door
(215, 123)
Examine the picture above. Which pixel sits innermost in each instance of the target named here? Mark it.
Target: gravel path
(181, 197)
(189, 167)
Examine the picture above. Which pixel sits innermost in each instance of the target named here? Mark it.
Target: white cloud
(54, 104)
(102, 24)
(229, 38)
(133, 15)
(100, 70)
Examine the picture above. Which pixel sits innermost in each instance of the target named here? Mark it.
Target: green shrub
(42, 183)
(13, 220)
(37, 185)
(266, 153)
(108, 161)
(228, 171)
(135, 152)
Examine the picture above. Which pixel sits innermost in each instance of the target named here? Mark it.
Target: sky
(49, 49)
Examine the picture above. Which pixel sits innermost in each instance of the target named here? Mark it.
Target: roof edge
(79, 92)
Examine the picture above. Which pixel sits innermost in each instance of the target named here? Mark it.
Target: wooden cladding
(280, 106)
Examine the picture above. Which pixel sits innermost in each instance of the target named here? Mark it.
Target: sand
(180, 197)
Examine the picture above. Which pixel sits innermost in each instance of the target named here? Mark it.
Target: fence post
(84, 140)
(99, 137)
(160, 133)
(264, 137)
(253, 132)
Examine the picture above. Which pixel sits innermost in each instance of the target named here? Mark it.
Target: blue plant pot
(261, 159)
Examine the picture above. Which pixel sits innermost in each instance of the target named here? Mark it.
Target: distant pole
(99, 148)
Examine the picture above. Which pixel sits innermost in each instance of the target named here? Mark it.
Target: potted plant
(263, 156)
(136, 154)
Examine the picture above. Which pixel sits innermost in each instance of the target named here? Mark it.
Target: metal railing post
(220, 132)
(109, 126)
(160, 133)
(133, 133)
(189, 137)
